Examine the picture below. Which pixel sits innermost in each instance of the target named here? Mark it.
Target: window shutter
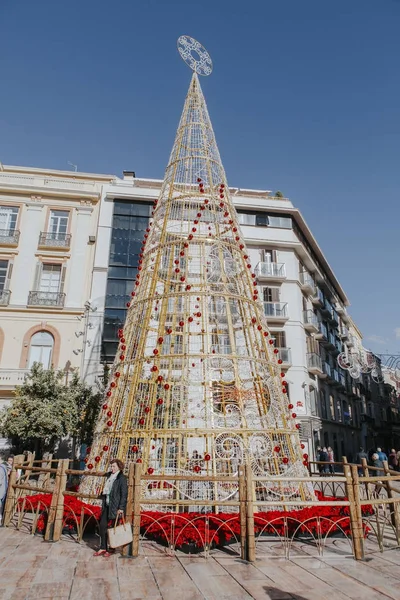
(38, 273)
(8, 278)
(62, 280)
(275, 294)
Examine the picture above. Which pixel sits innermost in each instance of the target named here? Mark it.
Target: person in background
(331, 459)
(392, 461)
(378, 464)
(398, 460)
(381, 454)
(3, 488)
(360, 455)
(114, 500)
(323, 457)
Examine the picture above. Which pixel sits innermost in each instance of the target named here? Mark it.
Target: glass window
(3, 274)
(271, 294)
(332, 408)
(41, 349)
(58, 222)
(50, 278)
(245, 219)
(323, 404)
(339, 410)
(8, 218)
(281, 222)
(262, 220)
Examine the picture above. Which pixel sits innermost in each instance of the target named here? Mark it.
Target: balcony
(5, 297)
(327, 308)
(350, 341)
(270, 271)
(58, 241)
(322, 333)
(318, 298)
(344, 333)
(9, 237)
(9, 378)
(310, 321)
(335, 377)
(307, 283)
(276, 311)
(314, 364)
(286, 357)
(326, 367)
(37, 298)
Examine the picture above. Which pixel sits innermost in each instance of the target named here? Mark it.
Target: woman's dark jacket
(118, 496)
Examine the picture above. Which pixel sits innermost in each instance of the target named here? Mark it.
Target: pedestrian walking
(331, 460)
(114, 500)
(323, 458)
(382, 455)
(360, 455)
(392, 460)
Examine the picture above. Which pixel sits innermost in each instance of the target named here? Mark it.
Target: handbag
(120, 535)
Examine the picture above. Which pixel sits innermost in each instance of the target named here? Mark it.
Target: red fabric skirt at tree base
(198, 529)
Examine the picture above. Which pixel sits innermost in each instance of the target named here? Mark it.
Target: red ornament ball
(277, 449)
(109, 423)
(297, 425)
(105, 406)
(290, 406)
(166, 386)
(181, 323)
(109, 413)
(122, 357)
(196, 469)
(97, 459)
(280, 361)
(155, 351)
(160, 340)
(141, 421)
(147, 409)
(276, 351)
(285, 460)
(135, 449)
(139, 460)
(160, 401)
(105, 448)
(207, 457)
(90, 466)
(113, 384)
(88, 450)
(302, 446)
(150, 470)
(294, 415)
(117, 374)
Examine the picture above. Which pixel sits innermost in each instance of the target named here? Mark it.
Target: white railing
(310, 318)
(285, 355)
(276, 310)
(307, 281)
(314, 361)
(270, 269)
(12, 377)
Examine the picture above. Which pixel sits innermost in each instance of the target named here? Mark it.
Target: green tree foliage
(44, 409)
(278, 194)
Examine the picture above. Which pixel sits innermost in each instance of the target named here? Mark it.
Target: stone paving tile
(36, 569)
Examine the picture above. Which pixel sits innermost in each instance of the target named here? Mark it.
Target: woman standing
(114, 499)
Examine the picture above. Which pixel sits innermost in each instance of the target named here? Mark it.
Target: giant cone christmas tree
(196, 387)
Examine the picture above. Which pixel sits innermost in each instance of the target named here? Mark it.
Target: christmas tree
(197, 387)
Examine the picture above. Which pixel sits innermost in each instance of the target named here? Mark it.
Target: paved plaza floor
(31, 568)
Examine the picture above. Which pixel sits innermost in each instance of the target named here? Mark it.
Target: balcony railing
(285, 355)
(9, 237)
(307, 282)
(55, 240)
(12, 377)
(270, 270)
(310, 320)
(38, 298)
(322, 331)
(318, 297)
(327, 369)
(344, 333)
(276, 310)
(5, 297)
(314, 362)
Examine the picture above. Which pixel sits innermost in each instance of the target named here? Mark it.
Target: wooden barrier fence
(356, 488)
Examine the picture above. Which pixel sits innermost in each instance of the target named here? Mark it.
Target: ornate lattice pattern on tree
(196, 387)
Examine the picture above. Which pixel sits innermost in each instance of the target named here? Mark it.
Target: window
(58, 223)
(268, 256)
(50, 278)
(280, 338)
(41, 349)
(281, 222)
(262, 220)
(3, 274)
(8, 218)
(332, 408)
(322, 400)
(339, 410)
(246, 219)
(271, 294)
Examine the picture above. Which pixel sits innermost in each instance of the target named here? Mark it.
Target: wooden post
(353, 495)
(56, 512)
(364, 466)
(12, 493)
(29, 460)
(251, 545)
(44, 478)
(137, 489)
(127, 550)
(242, 508)
(394, 512)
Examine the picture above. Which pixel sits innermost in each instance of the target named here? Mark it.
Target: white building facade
(303, 301)
(48, 228)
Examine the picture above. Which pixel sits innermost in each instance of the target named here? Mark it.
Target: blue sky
(305, 98)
